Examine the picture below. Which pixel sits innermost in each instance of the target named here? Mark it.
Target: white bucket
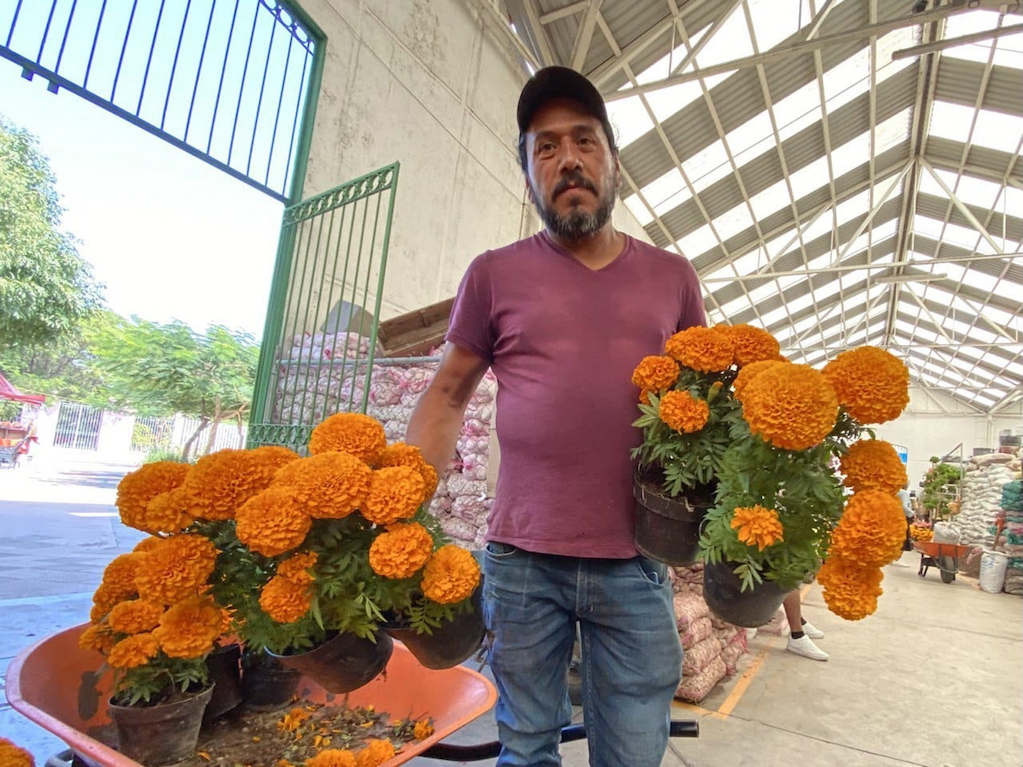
(993, 565)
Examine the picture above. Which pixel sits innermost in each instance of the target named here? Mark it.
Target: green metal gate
(320, 341)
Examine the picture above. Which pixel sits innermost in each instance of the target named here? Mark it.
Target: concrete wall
(427, 83)
(933, 424)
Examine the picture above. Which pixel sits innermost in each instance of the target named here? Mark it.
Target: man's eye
(547, 147)
(586, 140)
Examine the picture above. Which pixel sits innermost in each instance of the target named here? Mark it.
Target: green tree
(46, 287)
(166, 369)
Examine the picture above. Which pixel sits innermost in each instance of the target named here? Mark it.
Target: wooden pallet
(415, 333)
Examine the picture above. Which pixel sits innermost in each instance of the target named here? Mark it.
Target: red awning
(8, 391)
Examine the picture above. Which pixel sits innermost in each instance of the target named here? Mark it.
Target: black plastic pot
(722, 589)
(668, 529)
(269, 686)
(343, 663)
(161, 734)
(225, 674)
(452, 643)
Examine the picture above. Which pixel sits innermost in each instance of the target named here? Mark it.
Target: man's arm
(437, 419)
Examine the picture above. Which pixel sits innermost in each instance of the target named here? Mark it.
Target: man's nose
(569, 157)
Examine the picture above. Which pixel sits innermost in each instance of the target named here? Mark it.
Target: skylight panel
(850, 79)
(994, 130)
(951, 121)
(809, 178)
(638, 209)
(707, 166)
(697, 242)
(731, 41)
(852, 154)
(629, 120)
(772, 199)
(667, 101)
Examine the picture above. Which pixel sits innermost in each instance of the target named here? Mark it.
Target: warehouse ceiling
(840, 172)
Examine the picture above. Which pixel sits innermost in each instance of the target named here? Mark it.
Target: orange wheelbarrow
(53, 684)
(944, 556)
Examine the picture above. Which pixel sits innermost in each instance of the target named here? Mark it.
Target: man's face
(573, 174)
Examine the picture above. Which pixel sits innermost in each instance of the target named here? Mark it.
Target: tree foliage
(46, 287)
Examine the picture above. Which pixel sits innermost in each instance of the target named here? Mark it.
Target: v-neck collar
(626, 253)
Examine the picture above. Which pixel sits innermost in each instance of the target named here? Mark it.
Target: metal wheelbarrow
(944, 556)
(53, 684)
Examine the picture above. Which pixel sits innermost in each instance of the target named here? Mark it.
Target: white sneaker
(750, 634)
(804, 646)
(812, 631)
(898, 563)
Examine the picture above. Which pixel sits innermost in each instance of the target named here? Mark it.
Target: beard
(577, 223)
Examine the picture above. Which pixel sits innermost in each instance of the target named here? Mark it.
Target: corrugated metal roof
(737, 195)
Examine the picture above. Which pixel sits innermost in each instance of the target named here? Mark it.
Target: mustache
(573, 179)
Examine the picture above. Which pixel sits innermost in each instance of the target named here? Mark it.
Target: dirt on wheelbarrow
(288, 738)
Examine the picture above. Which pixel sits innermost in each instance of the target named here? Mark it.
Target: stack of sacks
(460, 503)
(981, 498)
(712, 648)
(1012, 535)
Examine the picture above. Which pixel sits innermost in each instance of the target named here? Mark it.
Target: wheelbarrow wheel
(948, 569)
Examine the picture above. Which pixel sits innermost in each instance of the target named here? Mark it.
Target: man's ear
(618, 172)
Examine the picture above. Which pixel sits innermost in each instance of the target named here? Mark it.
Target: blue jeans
(631, 655)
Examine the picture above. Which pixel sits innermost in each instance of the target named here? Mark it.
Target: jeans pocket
(654, 572)
(500, 550)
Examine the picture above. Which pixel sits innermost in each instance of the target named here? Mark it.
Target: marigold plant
(273, 522)
(178, 568)
(190, 628)
(375, 753)
(791, 406)
(135, 616)
(850, 591)
(119, 577)
(297, 567)
(352, 433)
(872, 384)
(656, 373)
(133, 651)
(751, 344)
(97, 637)
(757, 526)
(701, 349)
(332, 757)
(286, 599)
(331, 485)
(748, 373)
(168, 512)
(395, 493)
(871, 531)
(13, 756)
(401, 551)
(873, 464)
(137, 488)
(221, 482)
(451, 575)
(400, 454)
(682, 412)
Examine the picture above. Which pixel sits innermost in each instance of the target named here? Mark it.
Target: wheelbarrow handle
(447, 752)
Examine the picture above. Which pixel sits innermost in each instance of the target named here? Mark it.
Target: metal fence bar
(171, 58)
(78, 426)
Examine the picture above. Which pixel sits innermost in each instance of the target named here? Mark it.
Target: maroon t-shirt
(563, 341)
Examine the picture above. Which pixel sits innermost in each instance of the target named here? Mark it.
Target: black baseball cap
(561, 82)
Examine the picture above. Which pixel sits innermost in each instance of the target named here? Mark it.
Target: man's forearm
(434, 428)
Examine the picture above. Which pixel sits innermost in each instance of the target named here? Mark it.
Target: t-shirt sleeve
(471, 323)
(692, 312)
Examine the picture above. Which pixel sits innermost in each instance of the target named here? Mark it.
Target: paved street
(58, 530)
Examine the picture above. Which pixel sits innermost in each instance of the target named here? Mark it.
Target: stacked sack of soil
(1012, 535)
(981, 491)
(308, 386)
(712, 649)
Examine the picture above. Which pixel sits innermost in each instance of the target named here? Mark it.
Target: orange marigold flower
(656, 373)
(850, 591)
(104, 599)
(297, 567)
(684, 413)
(331, 485)
(175, 569)
(98, 612)
(221, 482)
(873, 464)
(138, 488)
(394, 493)
(422, 730)
(147, 544)
(872, 384)
(757, 526)
(332, 757)
(168, 512)
(748, 373)
(790, 406)
(273, 522)
(702, 349)
(401, 551)
(268, 460)
(135, 616)
(451, 575)
(119, 577)
(12, 756)
(97, 638)
(400, 454)
(375, 753)
(133, 651)
(352, 433)
(644, 396)
(752, 344)
(189, 628)
(871, 531)
(286, 600)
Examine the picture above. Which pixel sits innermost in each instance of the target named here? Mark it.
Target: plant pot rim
(169, 710)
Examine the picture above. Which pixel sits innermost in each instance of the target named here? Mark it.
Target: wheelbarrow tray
(935, 550)
(52, 684)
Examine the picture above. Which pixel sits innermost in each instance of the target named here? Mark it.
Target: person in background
(563, 318)
(907, 509)
(801, 631)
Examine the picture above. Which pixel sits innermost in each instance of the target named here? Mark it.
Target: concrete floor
(934, 678)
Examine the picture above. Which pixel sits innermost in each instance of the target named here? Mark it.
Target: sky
(169, 236)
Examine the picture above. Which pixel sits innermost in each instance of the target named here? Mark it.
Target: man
(563, 318)
(907, 511)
